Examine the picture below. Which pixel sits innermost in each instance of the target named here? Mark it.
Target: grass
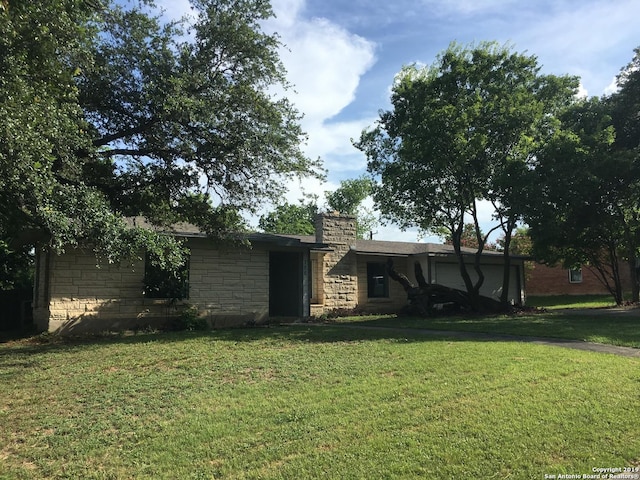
(310, 402)
(597, 326)
(555, 302)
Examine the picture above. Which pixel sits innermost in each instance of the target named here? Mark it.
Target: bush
(190, 319)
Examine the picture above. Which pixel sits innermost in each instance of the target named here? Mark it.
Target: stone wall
(83, 296)
(339, 267)
(228, 287)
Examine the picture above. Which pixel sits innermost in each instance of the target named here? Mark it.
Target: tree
(107, 112)
(520, 242)
(582, 193)
(291, 219)
(468, 238)
(300, 219)
(347, 199)
(626, 105)
(626, 121)
(461, 130)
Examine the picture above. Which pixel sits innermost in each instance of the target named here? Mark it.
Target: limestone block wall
(229, 285)
(84, 297)
(339, 267)
(73, 295)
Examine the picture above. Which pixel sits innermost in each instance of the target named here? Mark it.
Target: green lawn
(310, 402)
(570, 301)
(596, 326)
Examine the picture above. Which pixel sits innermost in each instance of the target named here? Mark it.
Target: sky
(341, 57)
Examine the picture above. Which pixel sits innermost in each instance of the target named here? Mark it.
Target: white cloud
(582, 92)
(582, 39)
(612, 87)
(466, 7)
(324, 62)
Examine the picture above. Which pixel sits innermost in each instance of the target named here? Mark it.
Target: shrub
(190, 319)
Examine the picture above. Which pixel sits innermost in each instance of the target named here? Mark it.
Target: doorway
(286, 284)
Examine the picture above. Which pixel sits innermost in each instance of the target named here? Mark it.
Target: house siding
(229, 285)
(545, 280)
(76, 296)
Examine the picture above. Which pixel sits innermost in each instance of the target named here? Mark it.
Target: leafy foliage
(626, 106)
(347, 199)
(162, 283)
(291, 219)
(461, 130)
(468, 238)
(108, 112)
(583, 197)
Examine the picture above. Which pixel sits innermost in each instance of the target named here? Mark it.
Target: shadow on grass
(301, 333)
(615, 326)
(611, 328)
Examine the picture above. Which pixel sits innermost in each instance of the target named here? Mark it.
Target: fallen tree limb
(425, 298)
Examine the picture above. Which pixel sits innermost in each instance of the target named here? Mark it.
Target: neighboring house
(278, 276)
(545, 280)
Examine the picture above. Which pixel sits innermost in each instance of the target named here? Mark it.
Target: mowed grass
(612, 327)
(312, 402)
(555, 302)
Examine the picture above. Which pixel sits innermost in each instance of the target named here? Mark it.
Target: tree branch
(107, 139)
(128, 151)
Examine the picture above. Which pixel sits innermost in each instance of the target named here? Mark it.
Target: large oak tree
(108, 111)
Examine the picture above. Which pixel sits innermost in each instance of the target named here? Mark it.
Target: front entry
(286, 284)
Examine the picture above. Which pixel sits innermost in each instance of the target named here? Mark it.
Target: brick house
(545, 280)
(278, 276)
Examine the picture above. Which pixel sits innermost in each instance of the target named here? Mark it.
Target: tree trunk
(424, 297)
(633, 275)
(506, 273)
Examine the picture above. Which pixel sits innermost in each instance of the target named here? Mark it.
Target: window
(377, 280)
(160, 283)
(575, 275)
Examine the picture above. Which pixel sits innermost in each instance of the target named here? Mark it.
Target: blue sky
(342, 55)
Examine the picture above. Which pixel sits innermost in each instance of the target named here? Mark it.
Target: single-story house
(277, 276)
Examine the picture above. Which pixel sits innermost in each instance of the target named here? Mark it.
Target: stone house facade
(277, 276)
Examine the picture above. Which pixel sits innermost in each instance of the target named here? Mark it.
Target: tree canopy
(108, 111)
(299, 219)
(461, 130)
(290, 219)
(347, 199)
(584, 205)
